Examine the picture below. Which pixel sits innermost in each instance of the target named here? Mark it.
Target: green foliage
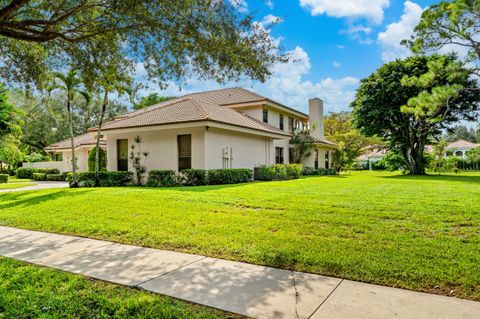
(35, 157)
(302, 144)
(229, 176)
(310, 171)
(392, 161)
(27, 173)
(278, 172)
(162, 178)
(461, 132)
(138, 160)
(150, 100)
(194, 177)
(10, 117)
(408, 102)
(294, 171)
(3, 178)
(107, 179)
(39, 176)
(102, 159)
(56, 177)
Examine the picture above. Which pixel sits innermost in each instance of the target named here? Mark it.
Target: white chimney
(315, 115)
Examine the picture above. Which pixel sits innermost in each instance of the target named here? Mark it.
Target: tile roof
(463, 144)
(205, 106)
(81, 140)
(325, 142)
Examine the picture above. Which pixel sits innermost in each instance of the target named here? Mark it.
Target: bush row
(278, 172)
(319, 171)
(24, 172)
(3, 178)
(107, 179)
(197, 177)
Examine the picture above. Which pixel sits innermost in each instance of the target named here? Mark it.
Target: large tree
(9, 116)
(461, 132)
(407, 102)
(449, 25)
(149, 100)
(170, 39)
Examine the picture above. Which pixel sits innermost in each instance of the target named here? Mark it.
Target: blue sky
(335, 43)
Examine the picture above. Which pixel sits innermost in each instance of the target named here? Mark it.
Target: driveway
(38, 186)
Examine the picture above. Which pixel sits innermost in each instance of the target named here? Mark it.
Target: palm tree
(71, 85)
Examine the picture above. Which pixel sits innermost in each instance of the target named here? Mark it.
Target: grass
(14, 182)
(419, 233)
(28, 291)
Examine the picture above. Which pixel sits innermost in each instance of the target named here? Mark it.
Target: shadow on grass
(446, 178)
(31, 198)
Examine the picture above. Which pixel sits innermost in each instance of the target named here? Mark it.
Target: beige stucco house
(227, 128)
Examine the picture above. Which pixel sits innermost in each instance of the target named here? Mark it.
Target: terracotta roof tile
(81, 140)
(463, 144)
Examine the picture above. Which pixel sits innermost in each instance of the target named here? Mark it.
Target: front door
(122, 155)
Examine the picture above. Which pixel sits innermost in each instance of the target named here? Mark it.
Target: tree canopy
(150, 100)
(407, 102)
(209, 38)
(10, 120)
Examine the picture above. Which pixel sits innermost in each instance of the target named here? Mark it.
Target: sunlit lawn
(28, 291)
(419, 233)
(16, 183)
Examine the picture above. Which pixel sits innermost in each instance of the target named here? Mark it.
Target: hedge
(3, 178)
(25, 172)
(194, 177)
(39, 176)
(229, 176)
(278, 172)
(319, 171)
(107, 179)
(56, 177)
(162, 178)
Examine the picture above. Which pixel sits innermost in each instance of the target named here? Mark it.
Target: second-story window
(281, 122)
(290, 125)
(265, 115)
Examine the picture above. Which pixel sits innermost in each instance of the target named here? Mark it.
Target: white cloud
(336, 64)
(287, 85)
(270, 19)
(341, 47)
(396, 32)
(369, 9)
(269, 3)
(241, 5)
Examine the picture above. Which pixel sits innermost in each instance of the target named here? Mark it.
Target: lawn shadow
(450, 178)
(30, 198)
(201, 189)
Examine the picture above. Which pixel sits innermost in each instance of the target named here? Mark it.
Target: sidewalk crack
(296, 295)
(321, 304)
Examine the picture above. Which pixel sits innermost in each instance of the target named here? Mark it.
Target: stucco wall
(162, 148)
(248, 150)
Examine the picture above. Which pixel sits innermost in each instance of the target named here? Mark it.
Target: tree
(408, 102)
(302, 145)
(446, 25)
(339, 128)
(210, 38)
(461, 132)
(10, 120)
(92, 160)
(70, 84)
(149, 100)
(392, 161)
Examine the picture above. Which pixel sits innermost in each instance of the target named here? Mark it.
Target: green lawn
(14, 182)
(418, 233)
(28, 291)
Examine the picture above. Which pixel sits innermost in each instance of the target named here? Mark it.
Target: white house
(460, 148)
(227, 128)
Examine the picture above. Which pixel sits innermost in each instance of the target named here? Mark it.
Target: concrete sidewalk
(250, 290)
(39, 185)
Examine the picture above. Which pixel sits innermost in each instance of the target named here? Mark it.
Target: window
(316, 159)
(281, 122)
(459, 153)
(290, 125)
(327, 159)
(58, 157)
(278, 155)
(184, 152)
(122, 155)
(265, 115)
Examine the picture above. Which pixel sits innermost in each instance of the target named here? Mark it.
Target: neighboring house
(371, 156)
(460, 148)
(227, 128)
(61, 153)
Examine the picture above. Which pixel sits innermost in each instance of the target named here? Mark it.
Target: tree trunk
(414, 157)
(74, 183)
(97, 148)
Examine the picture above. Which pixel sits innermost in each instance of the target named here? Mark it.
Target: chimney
(315, 117)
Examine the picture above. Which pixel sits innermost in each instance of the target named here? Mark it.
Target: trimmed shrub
(25, 172)
(162, 178)
(107, 179)
(309, 171)
(194, 177)
(3, 178)
(56, 177)
(294, 171)
(229, 176)
(102, 160)
(275, 172)
(39, 176)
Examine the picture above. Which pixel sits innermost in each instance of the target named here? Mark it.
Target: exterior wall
(248, 150)
(82, 159)
(256, 112)
(162, 148)
(285, 144)
(310, 161)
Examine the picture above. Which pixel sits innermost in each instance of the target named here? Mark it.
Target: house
(61, 153)
(371, 156)
(460, 148)
(227, 128)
